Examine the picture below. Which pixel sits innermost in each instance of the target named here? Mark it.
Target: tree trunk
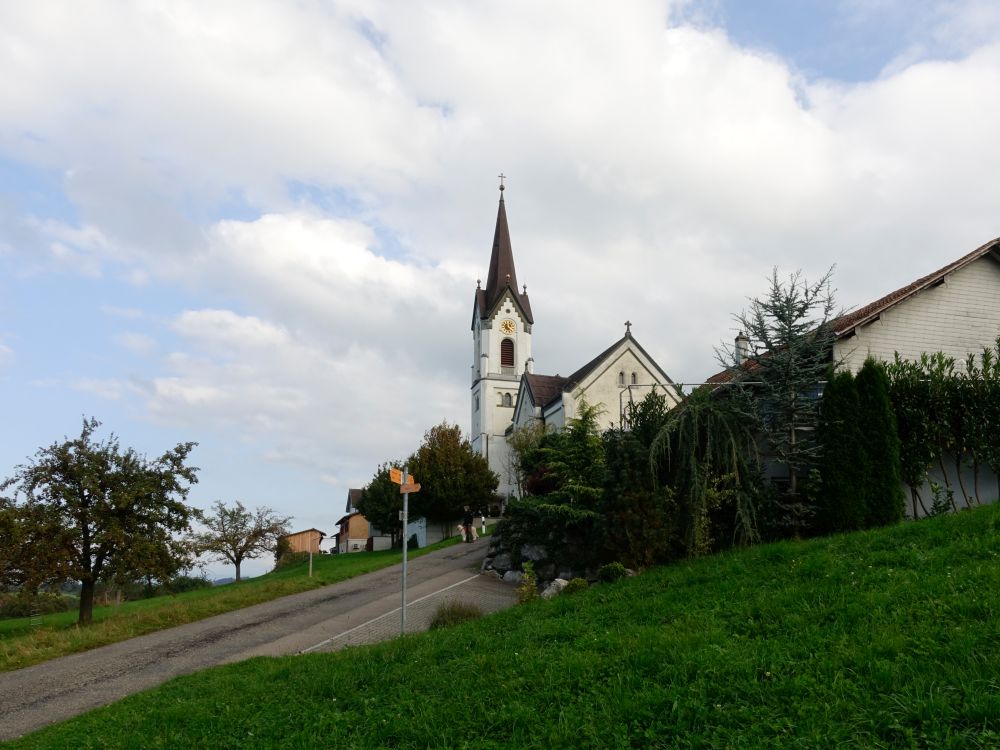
(947, 481)
(238, 570)
(86, 602)
(961, 482)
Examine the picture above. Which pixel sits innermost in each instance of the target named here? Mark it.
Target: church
(508, 394)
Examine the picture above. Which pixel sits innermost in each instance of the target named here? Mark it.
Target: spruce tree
(841, 501)
(884, 497)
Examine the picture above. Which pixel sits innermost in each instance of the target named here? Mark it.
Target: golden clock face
(507, 327)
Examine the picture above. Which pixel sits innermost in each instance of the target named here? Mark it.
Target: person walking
(467, 524)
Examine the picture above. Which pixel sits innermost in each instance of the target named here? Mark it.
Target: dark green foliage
(381, 502)
(573, 461)
(613, 571)
(451, 475)
(844, 467)
(91, 511)
(790, 340)
(946, 413)
(576, 584)
(909, 391)
(454, 613)
(707, 440)
(282, 548)
(884, 499)
(638, 514)
(565, 478)
(44, 603)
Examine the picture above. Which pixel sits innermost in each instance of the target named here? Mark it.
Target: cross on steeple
(628, 327)
(502, 177)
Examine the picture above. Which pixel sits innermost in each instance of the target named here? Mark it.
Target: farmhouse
(954, 310)
(305, 541)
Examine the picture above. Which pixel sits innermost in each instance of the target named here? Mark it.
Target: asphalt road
(365, 609)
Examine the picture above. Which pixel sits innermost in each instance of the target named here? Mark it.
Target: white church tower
(501, 352)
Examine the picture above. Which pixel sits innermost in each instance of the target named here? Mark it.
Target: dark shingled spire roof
(502, 274)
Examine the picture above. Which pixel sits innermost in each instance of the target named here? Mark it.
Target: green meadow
(884, 638)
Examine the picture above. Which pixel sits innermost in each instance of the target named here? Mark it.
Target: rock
(569, 575)
(546, 572)
(513, 576)
(555, 588)
(533, 552)
(501, 562)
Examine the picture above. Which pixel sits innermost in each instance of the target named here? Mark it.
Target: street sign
(409, 487)
(396, 475)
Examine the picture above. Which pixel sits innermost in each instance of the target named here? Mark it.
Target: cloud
(6, 355)
(317, 200)
(137, 343)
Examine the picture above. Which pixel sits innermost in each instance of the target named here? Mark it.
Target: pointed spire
(502, 273)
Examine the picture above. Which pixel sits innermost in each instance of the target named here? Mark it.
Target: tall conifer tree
(844, 465)
(884, 497)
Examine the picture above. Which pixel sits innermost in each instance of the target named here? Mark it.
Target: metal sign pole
(406, 543)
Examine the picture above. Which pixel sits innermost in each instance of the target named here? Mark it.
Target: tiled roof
(544, 389)
(353, 497)
(845, 324)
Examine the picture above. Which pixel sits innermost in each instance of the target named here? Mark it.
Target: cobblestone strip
(487, 594)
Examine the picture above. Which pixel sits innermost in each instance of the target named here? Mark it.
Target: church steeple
(502, 275)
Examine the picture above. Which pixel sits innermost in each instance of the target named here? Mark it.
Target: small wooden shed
(305, 541)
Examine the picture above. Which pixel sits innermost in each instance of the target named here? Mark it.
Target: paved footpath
(362, 610)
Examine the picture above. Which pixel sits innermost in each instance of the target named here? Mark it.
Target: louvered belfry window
(506, 353)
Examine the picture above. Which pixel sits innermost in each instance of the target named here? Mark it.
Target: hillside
(876, 639)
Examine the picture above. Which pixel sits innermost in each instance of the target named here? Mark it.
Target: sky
(259, 225)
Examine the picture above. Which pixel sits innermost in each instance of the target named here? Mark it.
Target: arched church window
(506, 353)
(506, 399)
(635, 379)
(621, 378)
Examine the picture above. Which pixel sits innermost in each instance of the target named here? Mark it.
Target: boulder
(513, 576)
(533, 552)
(555, 588)
(501, 562)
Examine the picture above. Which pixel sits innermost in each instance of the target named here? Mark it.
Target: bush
(577, 584)
(528, 590)
(454, 613)
(180, 584)
(25, 605)
(611, 572)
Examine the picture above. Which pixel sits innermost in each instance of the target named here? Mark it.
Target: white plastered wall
(957, 317)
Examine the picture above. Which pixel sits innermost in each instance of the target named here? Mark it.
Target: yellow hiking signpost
(407, 484)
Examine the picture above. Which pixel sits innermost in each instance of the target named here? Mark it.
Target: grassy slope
(21, 646)
(883, 638)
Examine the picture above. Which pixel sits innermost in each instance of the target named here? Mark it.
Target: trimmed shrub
(576, 584)
(884, 500)
(843, 467)
(611, 572)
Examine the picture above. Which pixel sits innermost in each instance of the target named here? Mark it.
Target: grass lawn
(22, 646)
(886, 638)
